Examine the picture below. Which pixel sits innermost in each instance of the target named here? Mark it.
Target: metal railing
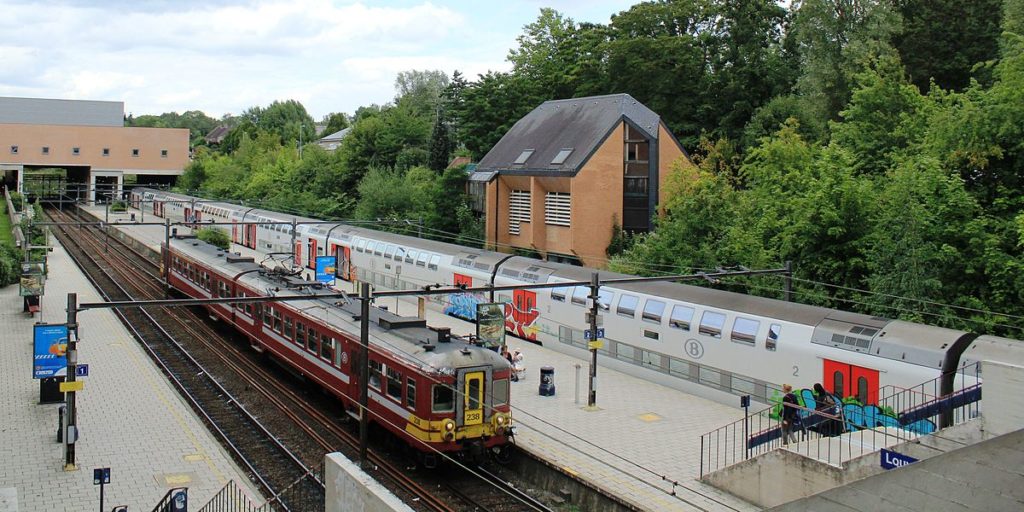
(852, 430)
(232, 498)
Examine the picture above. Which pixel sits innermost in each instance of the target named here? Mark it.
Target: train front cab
(847, 380)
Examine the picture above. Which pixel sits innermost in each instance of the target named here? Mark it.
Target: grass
(6, 236)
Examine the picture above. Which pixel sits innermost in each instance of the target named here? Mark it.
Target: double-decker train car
(690, 337)
(437, 392)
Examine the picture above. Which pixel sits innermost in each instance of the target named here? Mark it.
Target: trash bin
(547, 381)
(133, 217)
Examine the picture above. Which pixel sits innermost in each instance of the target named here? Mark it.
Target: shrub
(214, 236)
(18, 200)
(118, 206)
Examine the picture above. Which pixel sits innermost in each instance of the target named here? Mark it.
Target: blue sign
(101, 476)
(50, 342)
(82, 370)
(891, 459)
(600, 333)
(325, 267)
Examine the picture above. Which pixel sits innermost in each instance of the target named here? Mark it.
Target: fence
(853, 430)
(305, 494)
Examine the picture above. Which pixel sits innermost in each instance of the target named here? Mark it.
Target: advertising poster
(51, 344)
(325, 266)
(490, 324)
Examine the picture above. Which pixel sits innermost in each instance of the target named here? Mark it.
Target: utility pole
(70, 430)
(364, 373)
(294, 252)
(106, 226)
(167, 258)
(593, 345)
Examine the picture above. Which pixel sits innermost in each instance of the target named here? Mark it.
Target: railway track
(297, 432)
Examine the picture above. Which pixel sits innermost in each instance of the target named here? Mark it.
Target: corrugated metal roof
(579, 124)
(62, 112)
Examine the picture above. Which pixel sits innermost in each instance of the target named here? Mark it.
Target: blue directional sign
(50, 342)
(101, 476)
(600, 333)
(892, 460)
(325, 267)
(82, 370)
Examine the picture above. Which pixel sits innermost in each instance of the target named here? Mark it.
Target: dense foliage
(876, 144)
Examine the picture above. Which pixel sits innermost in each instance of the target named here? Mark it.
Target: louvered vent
(556, 208)
(518, 210)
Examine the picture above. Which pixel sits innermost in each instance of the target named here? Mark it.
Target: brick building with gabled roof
(565, 173)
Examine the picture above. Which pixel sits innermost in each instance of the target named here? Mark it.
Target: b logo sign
(694, 349)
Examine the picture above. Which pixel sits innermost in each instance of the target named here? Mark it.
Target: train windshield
(444, 398)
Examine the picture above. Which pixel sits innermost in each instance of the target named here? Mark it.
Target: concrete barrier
(349, 489)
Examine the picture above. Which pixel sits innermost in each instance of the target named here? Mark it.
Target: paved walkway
(130, 417)
(639, 433)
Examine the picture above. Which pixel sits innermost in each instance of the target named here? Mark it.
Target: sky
(223, 57)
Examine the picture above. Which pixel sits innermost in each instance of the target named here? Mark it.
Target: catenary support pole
(167, 258)
(69, 397)
(364, 371)
(594, 308)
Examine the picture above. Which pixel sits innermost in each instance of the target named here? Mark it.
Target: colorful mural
(522, 323)
(858, 416)
(463, 305)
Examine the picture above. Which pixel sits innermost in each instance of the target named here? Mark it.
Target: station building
(566, 173)
(89, 140)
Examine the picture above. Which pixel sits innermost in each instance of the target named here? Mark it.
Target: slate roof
(336, 136)
(581, 124)
(216, 135)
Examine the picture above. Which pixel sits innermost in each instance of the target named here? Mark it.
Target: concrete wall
(349, 489)
(1003, 393)
(91, 141)
(781, 475)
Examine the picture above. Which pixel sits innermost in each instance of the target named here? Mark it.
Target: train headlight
(499, 419)
(449, 425)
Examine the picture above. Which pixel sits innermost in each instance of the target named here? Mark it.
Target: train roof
(407, 338)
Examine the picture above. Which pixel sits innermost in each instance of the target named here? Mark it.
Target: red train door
(234, 232)
(312, 253)
(461, 279)
(252, 236)
(347, 271)
(188, 216)
(851, 380)
(524, 301)
(298, 253)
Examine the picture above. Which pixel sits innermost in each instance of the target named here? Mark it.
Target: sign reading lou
(325, 266)
(51, 343)
(490, 324)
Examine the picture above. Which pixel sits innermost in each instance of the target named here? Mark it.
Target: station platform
(639, 439)
(131, 419)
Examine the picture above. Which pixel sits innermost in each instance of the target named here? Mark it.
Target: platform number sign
(101, 476)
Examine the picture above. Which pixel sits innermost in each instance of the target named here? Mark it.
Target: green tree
(441, 146)
(335, 122)
(215, 236)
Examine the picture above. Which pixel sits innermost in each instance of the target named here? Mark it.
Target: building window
(557, 208)
(523, 157)
(163, 153)
(135, 152)
(46, 150)
(14, 150)
(75, 151)
(561, 156)
(106, 151)
(518, 210)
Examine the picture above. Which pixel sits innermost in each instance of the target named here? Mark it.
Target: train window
(559, 293)
(369, 247)
(314, 344)
(773, 337)
(862, 390)
(434, 260)
(300, 334)
(837, 383)
(474, 394)
(266, 316)
(375, 370)
(394, 384)
(410, 394)
(410, 257)
(277, 321)
(422, 260)
(627, 305)
(499, 392)
(362, 246)
(288, 327)
(653, 310)
(711, 324)
(744, 330)
(389, 253)
(444, 398)
(681, 317)
(650, 334)
(604, 298)
(248, 307)
(399, 254)
(579, 295)
(379, 249)
(326, 347)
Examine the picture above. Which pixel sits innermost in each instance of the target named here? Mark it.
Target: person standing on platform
(824, 403)
(790, 414)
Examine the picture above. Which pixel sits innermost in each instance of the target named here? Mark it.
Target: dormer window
(523, 157)
(561, 156)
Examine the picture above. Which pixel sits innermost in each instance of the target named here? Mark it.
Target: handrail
(834, 438)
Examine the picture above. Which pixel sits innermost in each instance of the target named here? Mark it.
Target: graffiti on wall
(463, 305)
(857, 416)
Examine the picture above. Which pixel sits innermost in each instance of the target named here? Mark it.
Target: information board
(50, 342)
(325, 269)
(490, 324)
